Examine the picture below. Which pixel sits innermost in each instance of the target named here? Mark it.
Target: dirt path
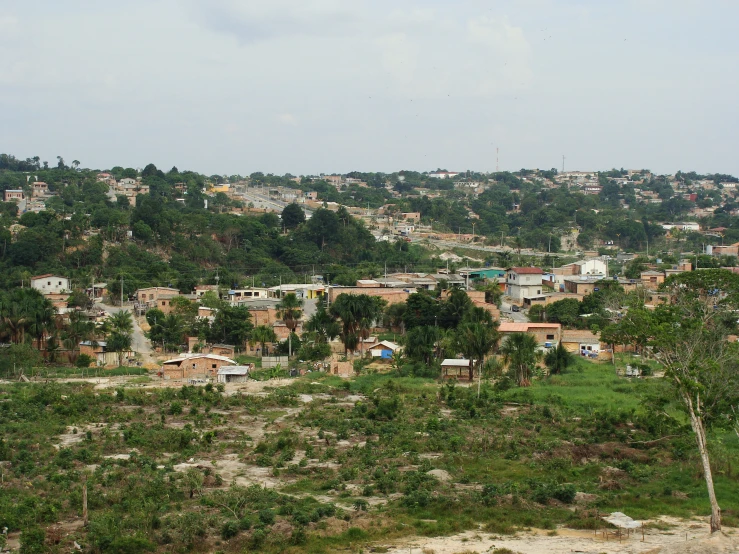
(686, 536)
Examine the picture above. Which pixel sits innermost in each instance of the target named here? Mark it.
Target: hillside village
(282, 363)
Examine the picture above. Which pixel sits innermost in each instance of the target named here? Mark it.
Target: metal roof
(454, 362)
(234, 370)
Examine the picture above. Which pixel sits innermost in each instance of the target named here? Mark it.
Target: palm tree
(558, 359)
(519, 352)
(476, 341)
(504, 259)
(120, 325)
(357, 313)
(323, 325)
(263, 334)
(78, 330)
(121, 322)
(289, 309)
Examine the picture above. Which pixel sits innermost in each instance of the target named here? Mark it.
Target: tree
(120, 325)
(121, 322)
(119, 342)
(558, 359)
(476, 341)
(289, 309)
(292, 216)
(357, 313)
(519, 352)
(263, 334)
(324, 326)
(688, 337)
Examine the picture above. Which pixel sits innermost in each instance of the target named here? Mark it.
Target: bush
(230, 529)
(32, 541)
(83, 360)
(267, 517)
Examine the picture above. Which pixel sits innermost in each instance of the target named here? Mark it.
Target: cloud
(253, 20)
(287, 119)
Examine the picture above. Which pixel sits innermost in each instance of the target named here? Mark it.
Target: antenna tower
(563, 163)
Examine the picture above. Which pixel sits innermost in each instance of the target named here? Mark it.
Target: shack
(453, 368)
(197, 366)
(384, 349)
(234, 373)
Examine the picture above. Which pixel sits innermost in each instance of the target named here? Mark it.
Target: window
(550, 337)
(60, 283)
(48, 283)
(213, 366)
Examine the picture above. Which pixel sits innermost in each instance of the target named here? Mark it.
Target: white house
(443, 174)
(49, 283)
(592, 266)
(523, 282)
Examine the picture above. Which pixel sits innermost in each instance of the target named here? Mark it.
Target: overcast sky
(312, 86)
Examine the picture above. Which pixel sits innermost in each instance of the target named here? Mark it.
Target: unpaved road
(139, 342)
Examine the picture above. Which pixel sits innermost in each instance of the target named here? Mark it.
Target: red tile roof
(527, 270)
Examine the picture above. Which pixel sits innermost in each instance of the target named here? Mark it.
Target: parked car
(515, 308)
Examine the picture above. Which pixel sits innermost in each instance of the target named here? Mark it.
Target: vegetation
(526, 451)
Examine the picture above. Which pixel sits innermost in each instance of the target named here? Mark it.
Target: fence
(272, 361)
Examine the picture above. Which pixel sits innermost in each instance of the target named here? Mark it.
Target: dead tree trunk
(700, 437)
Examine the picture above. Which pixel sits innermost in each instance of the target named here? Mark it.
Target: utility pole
(563, 163)
(121, 290)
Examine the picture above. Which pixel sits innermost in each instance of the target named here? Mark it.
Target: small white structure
(234, 374)
(50, 284)
(454, 368)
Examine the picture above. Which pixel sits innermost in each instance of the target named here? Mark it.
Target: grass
(587, 386)
(72, 372)
(514, 457)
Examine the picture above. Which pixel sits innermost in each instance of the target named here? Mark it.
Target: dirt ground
(683, 537)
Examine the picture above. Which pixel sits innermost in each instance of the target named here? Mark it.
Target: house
(234, 373)
(523, 281)
(200, 290)
(221, 350)
(301, 291)
(592, 266)
(547, 334)
(384, 349)
(652, 279)
(586, 343)
(13, 195)
(482, 274)
(582, 285)
(239, 296)
(156, 297)
(40, 189)
(453, 368)
(443, 174)
(102, 357)
(197, 366)
(50, 283)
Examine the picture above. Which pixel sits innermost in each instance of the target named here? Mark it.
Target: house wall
(580, 287)
(393, 296)
(193, 368)
(263, 316)
(52, 284)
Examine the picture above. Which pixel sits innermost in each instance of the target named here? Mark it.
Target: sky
(323, 86)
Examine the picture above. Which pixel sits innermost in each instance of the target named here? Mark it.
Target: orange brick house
(198, 366)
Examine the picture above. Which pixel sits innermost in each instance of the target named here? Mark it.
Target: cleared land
(377, 463)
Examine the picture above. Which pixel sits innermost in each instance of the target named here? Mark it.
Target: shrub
(267, 517)
(32, 541)
(230, 529)
(83, 360)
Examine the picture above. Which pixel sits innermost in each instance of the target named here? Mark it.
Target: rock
(440, 474)
(585, 498)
